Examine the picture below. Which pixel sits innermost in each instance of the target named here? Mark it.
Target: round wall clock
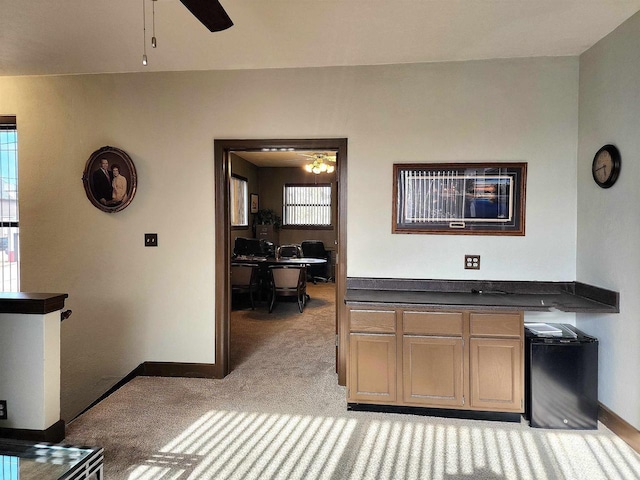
(606, 166)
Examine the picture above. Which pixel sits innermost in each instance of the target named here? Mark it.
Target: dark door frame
(222, 176)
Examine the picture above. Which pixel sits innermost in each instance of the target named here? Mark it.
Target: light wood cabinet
(373, 372)
(469, 360)
(372, 366)
(496, 361)
(496, 374)
(432, 358)
(432, 371)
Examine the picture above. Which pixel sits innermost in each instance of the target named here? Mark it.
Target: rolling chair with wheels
(315, 249)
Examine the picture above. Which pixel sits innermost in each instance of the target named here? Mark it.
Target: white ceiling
(41, 37)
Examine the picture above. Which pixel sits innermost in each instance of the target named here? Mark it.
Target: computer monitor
(247, 246)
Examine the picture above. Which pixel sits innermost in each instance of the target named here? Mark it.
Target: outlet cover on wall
(3, 410)
(472, 262)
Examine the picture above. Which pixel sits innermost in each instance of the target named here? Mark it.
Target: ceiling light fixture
(318, 165)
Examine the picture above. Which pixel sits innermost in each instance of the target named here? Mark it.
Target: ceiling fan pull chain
(144, 34)
(153, 38)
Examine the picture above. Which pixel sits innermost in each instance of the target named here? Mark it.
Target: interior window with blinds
(307, 205)
(239, 202)
(9, 228)
(482, 199)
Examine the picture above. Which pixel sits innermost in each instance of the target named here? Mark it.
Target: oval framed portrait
(110, 179)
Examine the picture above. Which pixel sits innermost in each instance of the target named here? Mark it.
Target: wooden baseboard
(620, 427)
(53, 434)
(172, 369)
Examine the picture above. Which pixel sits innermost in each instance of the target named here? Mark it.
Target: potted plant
(267, 216)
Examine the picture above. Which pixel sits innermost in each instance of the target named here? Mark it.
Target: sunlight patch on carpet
(253, 445)
(391, 450)
(228, 444)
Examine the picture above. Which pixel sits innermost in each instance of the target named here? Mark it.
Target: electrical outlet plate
(3, 409)
(150, 239)
(472, 262)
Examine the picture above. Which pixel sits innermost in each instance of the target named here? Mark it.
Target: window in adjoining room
(239, 201)
(9, 228)
(307, 205)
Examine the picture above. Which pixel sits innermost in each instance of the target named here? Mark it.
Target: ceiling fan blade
(210, 13)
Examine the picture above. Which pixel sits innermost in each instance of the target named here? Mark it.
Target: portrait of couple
(109, 186)
(110, 179)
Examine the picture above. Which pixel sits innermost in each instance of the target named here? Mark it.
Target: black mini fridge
(561, 377)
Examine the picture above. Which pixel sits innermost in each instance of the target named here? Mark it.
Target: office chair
(315, 249)
(289, 251)
(288, 281)
(244, 279)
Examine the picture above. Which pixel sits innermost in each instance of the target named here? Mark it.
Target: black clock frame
(614, 153)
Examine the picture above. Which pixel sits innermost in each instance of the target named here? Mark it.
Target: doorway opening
(223, 151)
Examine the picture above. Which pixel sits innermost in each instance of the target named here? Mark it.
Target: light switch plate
(472, 262)
(150, 239)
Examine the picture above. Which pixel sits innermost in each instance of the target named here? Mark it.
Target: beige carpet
(281, 415)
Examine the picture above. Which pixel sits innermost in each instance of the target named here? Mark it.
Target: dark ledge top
(34, 303)
(485, 294)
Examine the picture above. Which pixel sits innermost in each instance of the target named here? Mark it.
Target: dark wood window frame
(459, 198)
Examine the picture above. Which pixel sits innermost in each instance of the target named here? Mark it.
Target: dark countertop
(525, 296)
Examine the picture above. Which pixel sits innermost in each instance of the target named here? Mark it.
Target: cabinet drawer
(496, 324)
(432, 323)
(373, 321)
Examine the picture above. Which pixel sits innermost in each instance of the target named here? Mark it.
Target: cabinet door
(496, 374)
(432, 371)
(372, 368)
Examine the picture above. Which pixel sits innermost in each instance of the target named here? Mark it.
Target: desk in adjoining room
(265, 262)
(268, 261)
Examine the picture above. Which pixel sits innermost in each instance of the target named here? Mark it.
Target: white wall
(518, 111)
(133, 304)
(608, 222)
